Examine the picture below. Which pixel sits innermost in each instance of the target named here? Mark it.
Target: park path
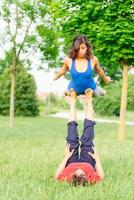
(80, 116)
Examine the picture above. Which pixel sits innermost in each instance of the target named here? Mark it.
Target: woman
(81, 63)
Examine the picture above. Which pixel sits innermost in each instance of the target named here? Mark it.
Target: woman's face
(82, 50)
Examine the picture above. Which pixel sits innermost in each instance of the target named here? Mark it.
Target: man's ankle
(73, 101)
(89, 102)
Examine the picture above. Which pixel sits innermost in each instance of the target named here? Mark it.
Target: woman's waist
(83, 82)
(83, 86)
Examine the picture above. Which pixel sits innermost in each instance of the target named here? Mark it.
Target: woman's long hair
(76, 46)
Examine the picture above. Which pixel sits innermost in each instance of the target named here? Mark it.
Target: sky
(45, 83)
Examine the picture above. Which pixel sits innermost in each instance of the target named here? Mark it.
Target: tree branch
(15, 35)
(25, 36)
(12, 37)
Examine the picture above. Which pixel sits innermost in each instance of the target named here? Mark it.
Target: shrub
(26, 103)
(110, 104)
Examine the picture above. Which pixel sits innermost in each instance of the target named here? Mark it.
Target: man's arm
(62, 165)
(63, 70)
(100, 71)
(98, 166)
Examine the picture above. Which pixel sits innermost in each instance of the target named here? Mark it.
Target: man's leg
(72, 132)
(88, 131)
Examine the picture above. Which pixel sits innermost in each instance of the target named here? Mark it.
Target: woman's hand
(107, 79)
(68, 153)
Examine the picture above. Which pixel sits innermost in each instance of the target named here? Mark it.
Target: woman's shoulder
(68, 61)
(94, 58)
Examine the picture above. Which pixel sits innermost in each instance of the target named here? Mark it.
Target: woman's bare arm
(100, 71)
(62, 70)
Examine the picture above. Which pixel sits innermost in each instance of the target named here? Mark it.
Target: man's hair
(79, 180)
(76, 46)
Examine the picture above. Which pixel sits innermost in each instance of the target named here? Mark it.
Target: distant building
(45, 85)
(42, 95)
(131, 71)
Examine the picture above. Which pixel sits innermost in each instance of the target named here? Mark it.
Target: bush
(130, 103)
(26, 103)
(53, 104)
(110, 104)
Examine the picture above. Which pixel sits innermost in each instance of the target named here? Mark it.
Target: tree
(22, 19)
(109, 25)
(26, 103)
(19, 18)
(109, 105)
(48, 31)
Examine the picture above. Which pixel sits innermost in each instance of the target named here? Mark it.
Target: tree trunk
(123, 103)
(48, 104)
(12, 94)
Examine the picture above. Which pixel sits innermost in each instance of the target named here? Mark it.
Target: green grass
(31, 152)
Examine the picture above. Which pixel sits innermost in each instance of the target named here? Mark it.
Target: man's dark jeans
(86, 142)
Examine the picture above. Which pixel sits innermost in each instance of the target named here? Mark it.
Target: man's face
(79, 172)
(82, 50)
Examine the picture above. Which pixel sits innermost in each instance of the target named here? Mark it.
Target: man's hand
(107, 79)
(68, 153)
(94, 155)
(62, 165)
(98, 165)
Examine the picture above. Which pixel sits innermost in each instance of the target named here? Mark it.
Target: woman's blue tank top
(80, 81)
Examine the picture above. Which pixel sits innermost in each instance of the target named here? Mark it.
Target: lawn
(31, 152)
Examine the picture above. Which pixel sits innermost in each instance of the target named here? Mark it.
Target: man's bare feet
(72, 93)
(89, 93)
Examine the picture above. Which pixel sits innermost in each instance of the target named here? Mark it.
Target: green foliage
(130, 104)
(57, 101)
(7, 61)
(33, 23)
(53, 104)
(49, 31)
(107, 24)
(110, 104)
(26, 103)
(49, 45)
(32, 151)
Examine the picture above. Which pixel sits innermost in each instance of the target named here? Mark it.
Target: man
(86, 168)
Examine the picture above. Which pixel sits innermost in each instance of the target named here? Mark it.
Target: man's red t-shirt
(91, 174)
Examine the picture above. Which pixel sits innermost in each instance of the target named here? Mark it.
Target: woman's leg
(88, 131)
(72, 132)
